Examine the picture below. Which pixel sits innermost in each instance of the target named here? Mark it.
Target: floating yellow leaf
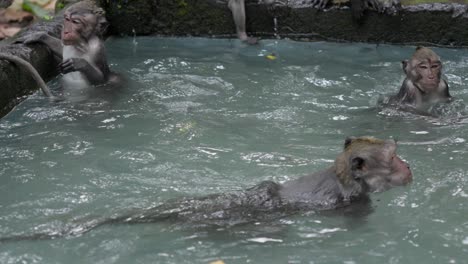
(217, 262)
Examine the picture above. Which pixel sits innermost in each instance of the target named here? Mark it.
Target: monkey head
(371, 164)
(82, 21)
(424, 69)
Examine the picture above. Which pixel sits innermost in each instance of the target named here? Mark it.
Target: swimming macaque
(366, 165)
(81, 46)
(26, 65)
(423, 84)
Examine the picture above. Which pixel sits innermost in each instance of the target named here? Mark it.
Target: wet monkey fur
(423, 84)
(365, 165)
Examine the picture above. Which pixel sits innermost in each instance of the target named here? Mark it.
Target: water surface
(203, 116)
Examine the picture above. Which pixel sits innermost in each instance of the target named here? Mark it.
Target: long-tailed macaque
(423, 84)
(366, 165)
(81, 46)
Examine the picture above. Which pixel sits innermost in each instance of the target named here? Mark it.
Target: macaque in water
(423, 84)
(81, 46)
(366, 165)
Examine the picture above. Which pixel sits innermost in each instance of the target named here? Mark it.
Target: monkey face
(78, 27)
(429, 73)
(375, 164)
(386, 171)
(424, 69)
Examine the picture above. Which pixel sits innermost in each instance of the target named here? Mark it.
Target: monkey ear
(102, 23)
(102, 26)
(348, 141)
(357, 164)
(404, 63)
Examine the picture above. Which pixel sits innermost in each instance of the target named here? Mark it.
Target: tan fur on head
(353, 145)
(423, 53)
(354, 141)
(88, 6)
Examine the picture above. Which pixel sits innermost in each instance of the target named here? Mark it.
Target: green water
(204, 116)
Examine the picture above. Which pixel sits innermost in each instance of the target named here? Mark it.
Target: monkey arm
(54, 44)
(409, 94)
(445, 90)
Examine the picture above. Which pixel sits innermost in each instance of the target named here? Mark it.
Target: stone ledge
(16, 82)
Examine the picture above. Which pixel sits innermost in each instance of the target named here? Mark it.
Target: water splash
(134, 41)
(275, 28)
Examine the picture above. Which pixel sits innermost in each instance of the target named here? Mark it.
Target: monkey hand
(73, 64)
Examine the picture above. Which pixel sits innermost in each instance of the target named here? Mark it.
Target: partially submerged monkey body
(423, 85)
(366, 165)
(93, 72)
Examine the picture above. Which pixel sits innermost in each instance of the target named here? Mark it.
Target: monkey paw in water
(73, 64)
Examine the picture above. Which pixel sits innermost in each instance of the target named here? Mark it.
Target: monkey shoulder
(96, 48)
(315, 191)
(443, 89)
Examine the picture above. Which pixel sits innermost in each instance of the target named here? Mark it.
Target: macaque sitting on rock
(423, 85)
(81, 46)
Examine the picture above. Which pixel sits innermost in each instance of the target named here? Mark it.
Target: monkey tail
(72, 230)
(30, 69)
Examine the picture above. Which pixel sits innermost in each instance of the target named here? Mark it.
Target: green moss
(182, 8)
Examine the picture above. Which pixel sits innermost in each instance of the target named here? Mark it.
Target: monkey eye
(435, 66)
(75, 21)
(423, 66)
